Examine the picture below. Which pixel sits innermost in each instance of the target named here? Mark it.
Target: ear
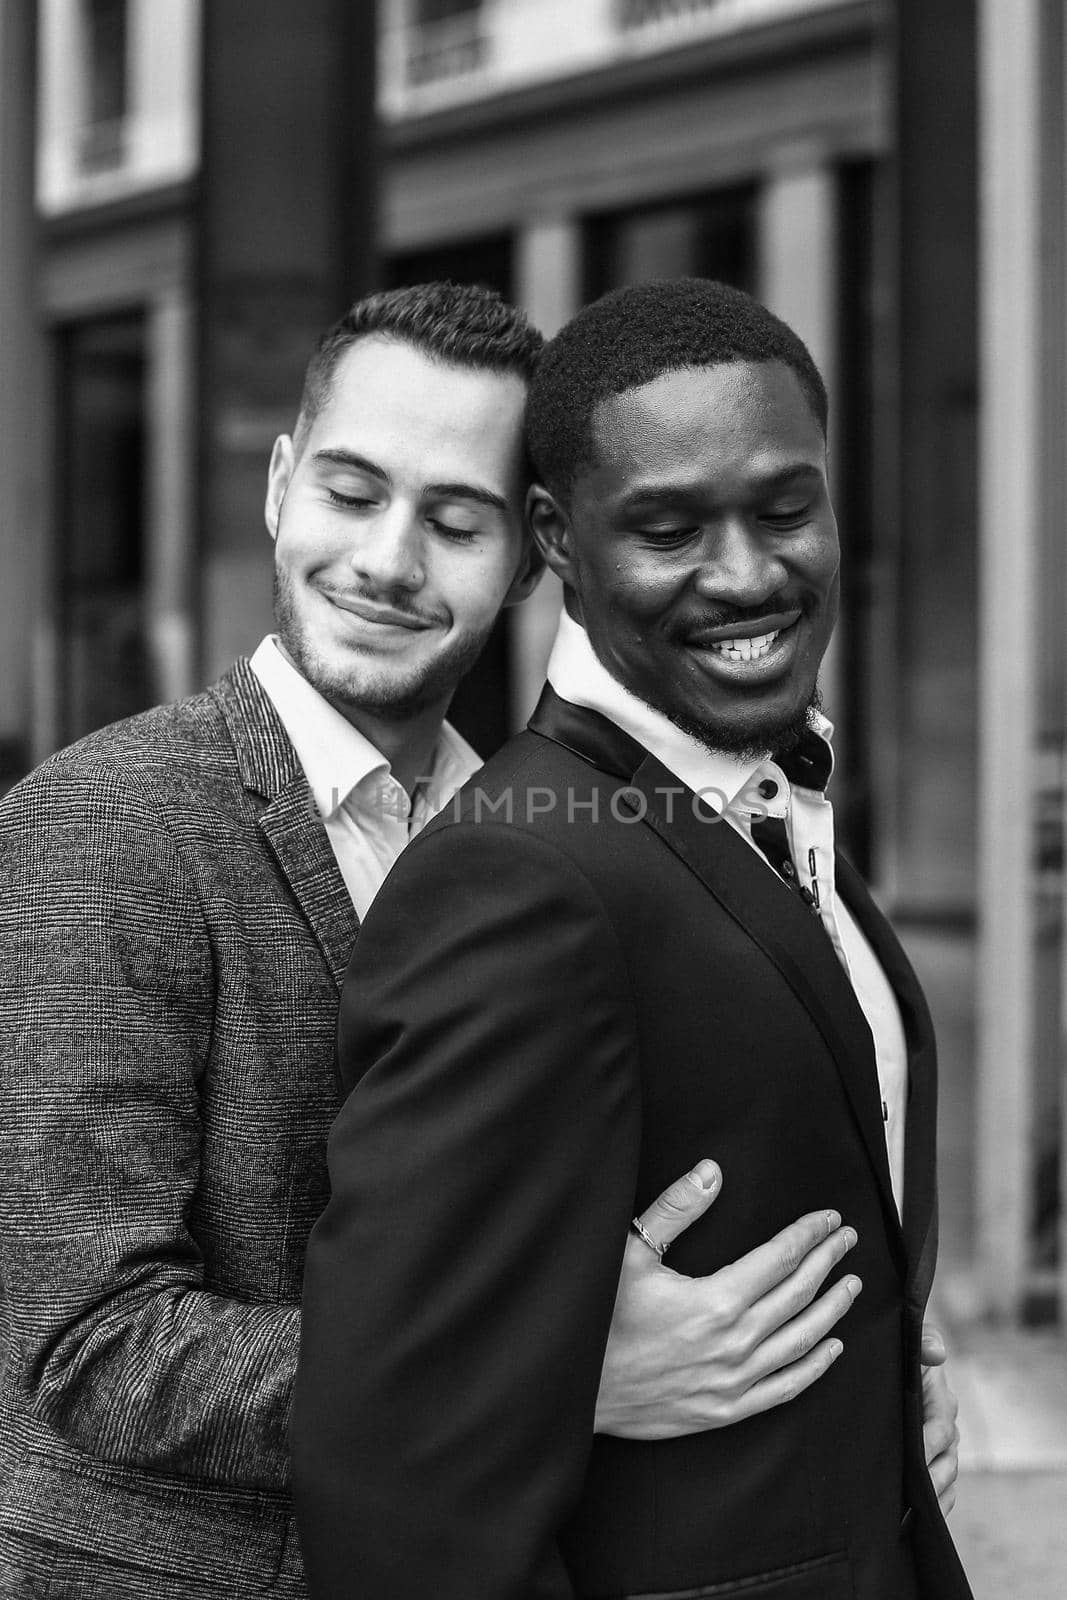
(531, 568)
(550, 526)
(280, 471)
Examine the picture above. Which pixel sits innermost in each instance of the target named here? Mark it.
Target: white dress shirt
(731, 786)
(367, 813)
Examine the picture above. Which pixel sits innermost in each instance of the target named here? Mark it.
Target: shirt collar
(454, 761)
(576, 673)
(335, 756)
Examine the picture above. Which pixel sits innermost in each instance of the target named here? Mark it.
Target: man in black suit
(629, 942)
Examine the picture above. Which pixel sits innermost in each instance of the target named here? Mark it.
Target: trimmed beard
(753, 743)
(395, 695)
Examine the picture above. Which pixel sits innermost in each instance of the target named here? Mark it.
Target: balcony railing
(721, 15)
(505, 44)
(639, 13)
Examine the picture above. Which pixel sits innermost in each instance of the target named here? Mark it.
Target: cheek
(308, 539)
(822, 559)
(287, 558)
(640, 587)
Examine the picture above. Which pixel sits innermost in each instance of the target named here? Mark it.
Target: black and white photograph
(533, 799)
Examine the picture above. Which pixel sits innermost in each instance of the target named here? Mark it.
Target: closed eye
(336, 498)
(674, 534)
(787, 519)
(457, 535)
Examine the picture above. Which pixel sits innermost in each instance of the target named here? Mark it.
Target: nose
(739, 565)
(388, 551)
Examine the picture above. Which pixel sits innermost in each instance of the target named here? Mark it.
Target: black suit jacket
(574, 985)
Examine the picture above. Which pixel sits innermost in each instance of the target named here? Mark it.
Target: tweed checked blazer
(174, 931)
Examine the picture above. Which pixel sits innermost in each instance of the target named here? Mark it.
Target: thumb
(932, 1352)
(687, 1199)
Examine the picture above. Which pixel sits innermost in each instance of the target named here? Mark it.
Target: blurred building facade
(886, 174)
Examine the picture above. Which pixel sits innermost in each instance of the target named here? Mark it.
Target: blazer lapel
(289, 822)
(920, 1130)
(786, 931)
(772, 916)
(588, 734)
(294, 831)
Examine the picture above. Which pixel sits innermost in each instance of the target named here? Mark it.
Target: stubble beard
(393, 693)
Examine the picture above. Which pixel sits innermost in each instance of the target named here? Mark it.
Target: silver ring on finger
(658, 1250)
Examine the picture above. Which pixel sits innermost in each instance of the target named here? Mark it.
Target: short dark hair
(631, 336)
(463, 324)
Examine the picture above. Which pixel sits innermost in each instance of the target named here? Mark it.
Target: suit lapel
(587, 734)
(289, 822)
(920, 1130)
(770, 914)
(294, 831)
(788, 934)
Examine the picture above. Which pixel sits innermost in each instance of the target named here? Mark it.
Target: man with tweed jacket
(180, 895)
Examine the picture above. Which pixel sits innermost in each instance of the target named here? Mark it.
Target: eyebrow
(687, 492)
(349, 458)
(435, 491)
(466, 491)
(788, 475)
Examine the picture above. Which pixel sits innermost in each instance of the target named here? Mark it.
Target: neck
(407, 745)
(407, 742)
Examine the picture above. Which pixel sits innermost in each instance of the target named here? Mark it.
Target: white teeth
(746, 649)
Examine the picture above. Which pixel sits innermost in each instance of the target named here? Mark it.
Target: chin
(392, 696)
(750, 738)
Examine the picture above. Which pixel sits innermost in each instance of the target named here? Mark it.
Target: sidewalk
(1010, 1519)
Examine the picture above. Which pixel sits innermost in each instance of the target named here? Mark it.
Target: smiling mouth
(745, 641)
(373, 611)
(745, 649)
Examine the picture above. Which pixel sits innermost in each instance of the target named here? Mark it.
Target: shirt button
(768, 788)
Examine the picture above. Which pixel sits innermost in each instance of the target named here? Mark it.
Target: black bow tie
(807, 764)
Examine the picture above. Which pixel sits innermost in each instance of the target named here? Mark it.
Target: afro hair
(632, 336)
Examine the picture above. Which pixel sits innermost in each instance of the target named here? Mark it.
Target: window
(430, 11)
(485, 260)
(105, 669)
(707, 236)
(105, 25)
(446, 40)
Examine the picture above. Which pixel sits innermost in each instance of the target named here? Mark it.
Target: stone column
(170, 580)
(1009, 456)
(548, 286)
(797, 254)
(22, 515)
(286, 238)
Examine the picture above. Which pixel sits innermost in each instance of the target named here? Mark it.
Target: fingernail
(705, 1175)
(853, 1285)
(833, 1220)
(836, 1348)
(850, 1236)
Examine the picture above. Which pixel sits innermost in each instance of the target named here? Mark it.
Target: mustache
(396, 599)
(725, 616)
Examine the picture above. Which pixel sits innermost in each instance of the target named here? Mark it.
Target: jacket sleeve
(460, 1285)
(107, 996)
